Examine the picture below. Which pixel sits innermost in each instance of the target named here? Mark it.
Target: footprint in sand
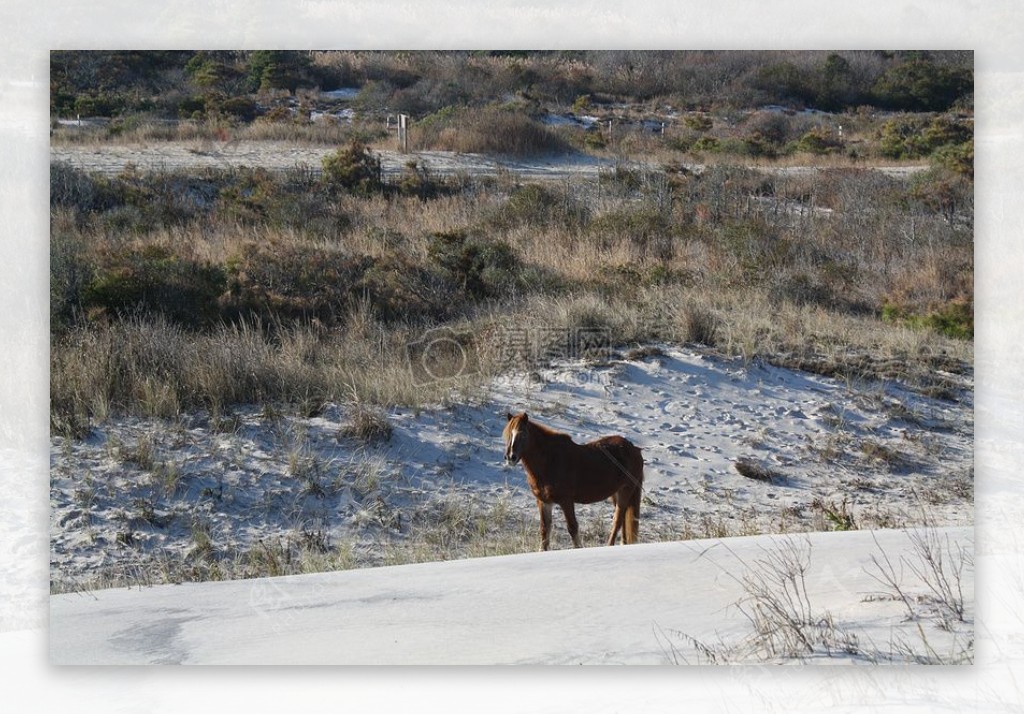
(671, 407)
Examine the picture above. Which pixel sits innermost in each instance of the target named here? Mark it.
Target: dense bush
(785, 82)
(945, 192)
(288, 283)
(294, 200)
(490, 130)
(912, 137)
(75, 189)
(280, 285)
(70, 271)
(154, 280)
(649, 230)
(758, 247)
(537, 205)
(107, 83)
(420, 83)
(923, 85)
(957, 158)
(819, 141)
(243, 109)
(208, 70)
(137, 203)
(480, 268)
(355, 169)
(954, 319)
(275, 69)
(131, 202)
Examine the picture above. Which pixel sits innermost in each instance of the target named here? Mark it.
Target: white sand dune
(694, 415)
(619, 605)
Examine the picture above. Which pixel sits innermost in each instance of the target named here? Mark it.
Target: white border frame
(31, 30)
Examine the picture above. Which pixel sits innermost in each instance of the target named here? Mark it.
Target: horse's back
(612, 462)
(617, 446)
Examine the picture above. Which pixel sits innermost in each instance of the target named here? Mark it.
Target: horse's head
(516, 435)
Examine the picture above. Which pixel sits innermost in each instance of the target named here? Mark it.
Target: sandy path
(169, 156)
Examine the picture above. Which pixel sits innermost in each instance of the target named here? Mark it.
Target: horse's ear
(526, 417)
(508, 416)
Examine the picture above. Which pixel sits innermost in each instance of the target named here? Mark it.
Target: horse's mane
(549, 432)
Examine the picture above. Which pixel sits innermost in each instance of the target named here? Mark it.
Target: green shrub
(819, 140)
(207, 71)
(400, 290)
(593, 139)
(479, 268)
(296, 282)
(153, 280)
(355, 169)
(758, 247)
(898, 138)
(953, 320)
(758, 144)
(279, 69)
(958, 159)
(538, 205)
(920, 84)
(582, 104)
(646, 228)
(698, 122)
(706, 144)
(915, 137)
(241, 108)
(99, 105)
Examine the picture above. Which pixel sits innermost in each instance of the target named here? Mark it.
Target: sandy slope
(693, 413)
(589, 606)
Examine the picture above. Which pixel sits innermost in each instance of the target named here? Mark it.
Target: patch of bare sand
(176, 156)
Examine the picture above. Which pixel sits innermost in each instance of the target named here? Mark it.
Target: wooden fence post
(403, 133)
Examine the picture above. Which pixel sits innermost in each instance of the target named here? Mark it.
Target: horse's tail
(631, 519)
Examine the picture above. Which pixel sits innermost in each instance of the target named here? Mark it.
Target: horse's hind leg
(631, 518)
(545, 525)
(569, 509)
(616, 522)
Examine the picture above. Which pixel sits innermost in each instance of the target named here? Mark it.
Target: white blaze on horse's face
(515, 437)
(512, 446)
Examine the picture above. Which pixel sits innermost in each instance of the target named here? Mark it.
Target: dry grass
(785, 625)
(491, 130)
(638, 257)
(367, 425)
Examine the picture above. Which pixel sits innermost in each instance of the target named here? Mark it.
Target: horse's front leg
(545, 525)
(569, 509)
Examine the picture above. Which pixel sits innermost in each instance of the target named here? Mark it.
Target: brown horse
(561, 472)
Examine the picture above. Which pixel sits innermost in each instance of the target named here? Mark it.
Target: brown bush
(491, 130)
